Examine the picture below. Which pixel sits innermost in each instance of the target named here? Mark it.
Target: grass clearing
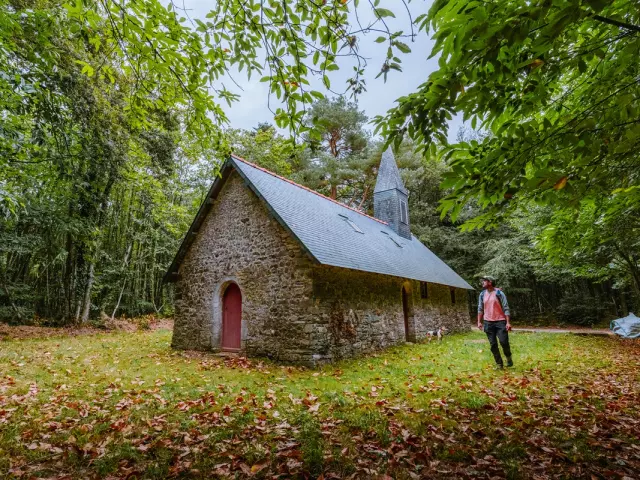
(123, 404)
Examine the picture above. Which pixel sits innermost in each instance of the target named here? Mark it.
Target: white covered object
(627, 327)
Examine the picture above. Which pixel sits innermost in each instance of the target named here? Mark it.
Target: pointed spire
(388, 174)
(390, 198)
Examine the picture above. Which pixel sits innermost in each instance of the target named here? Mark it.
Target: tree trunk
(635, 274)
(8, 293)
(125, 263)
(87, 293)
(115, 309)
(78, 309)
(364, 197)
(612, 293)
(623, 304)
(67, 279)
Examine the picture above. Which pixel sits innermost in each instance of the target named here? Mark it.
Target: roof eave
(404, 277)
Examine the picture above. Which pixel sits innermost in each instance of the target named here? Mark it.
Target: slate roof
(328, 231)
(388, 174)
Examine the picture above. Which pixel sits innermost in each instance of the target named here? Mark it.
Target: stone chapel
(273, 269)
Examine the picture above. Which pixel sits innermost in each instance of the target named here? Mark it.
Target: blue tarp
(627, 327)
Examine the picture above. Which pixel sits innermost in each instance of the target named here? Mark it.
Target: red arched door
(231, 317)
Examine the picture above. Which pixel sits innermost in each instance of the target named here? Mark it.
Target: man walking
(493, 306)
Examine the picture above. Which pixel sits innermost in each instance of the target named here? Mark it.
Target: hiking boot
(509, 362)
(498, 366)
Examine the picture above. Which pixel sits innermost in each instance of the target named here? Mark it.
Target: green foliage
(169, 63)
(580, 309)
(266, 147)
(292, 46)
(339, 162)
(339, 128)
(597, 241)
(89, 159)
(535, 284)
(555, 84)
(190, 56)
(110, 114)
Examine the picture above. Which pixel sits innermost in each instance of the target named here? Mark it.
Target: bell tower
(390, 198)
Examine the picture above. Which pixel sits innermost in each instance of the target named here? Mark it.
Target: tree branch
(611, 21)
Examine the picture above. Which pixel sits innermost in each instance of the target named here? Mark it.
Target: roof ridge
(306, 188)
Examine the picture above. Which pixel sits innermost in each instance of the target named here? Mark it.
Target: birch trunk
(125, 263)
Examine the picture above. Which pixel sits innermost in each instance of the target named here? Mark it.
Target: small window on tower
(404, 217)
(424, 291)
(453, 295)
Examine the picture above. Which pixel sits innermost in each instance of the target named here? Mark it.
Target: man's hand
(479, 325)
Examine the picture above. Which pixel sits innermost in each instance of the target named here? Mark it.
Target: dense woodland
(108, 144)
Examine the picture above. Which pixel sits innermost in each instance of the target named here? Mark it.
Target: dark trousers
(497, 331)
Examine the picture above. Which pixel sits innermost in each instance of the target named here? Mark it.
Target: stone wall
(360, 312)
(240, 241)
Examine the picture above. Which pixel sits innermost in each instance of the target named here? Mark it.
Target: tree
(340, 164)
(288, 43)
(99, 94)
(598, 241)
(266, 147)
(75, 128)
(539, 286)
(556, 84)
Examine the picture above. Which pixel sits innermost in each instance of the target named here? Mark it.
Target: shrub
(580, 309)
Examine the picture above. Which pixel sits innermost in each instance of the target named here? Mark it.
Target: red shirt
(492, 308)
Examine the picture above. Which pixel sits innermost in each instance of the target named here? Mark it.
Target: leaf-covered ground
(124, 405)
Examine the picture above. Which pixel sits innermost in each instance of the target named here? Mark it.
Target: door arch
(231, 318)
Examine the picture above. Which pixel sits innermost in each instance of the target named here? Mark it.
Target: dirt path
(577, 330)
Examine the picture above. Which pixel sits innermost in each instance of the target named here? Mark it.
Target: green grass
(127, 404)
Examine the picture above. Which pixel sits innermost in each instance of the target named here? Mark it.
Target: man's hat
(490, 278)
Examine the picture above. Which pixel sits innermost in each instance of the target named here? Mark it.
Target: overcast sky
(379, 97)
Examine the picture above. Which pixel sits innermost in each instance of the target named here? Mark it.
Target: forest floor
(21, 332)
(125, 405)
